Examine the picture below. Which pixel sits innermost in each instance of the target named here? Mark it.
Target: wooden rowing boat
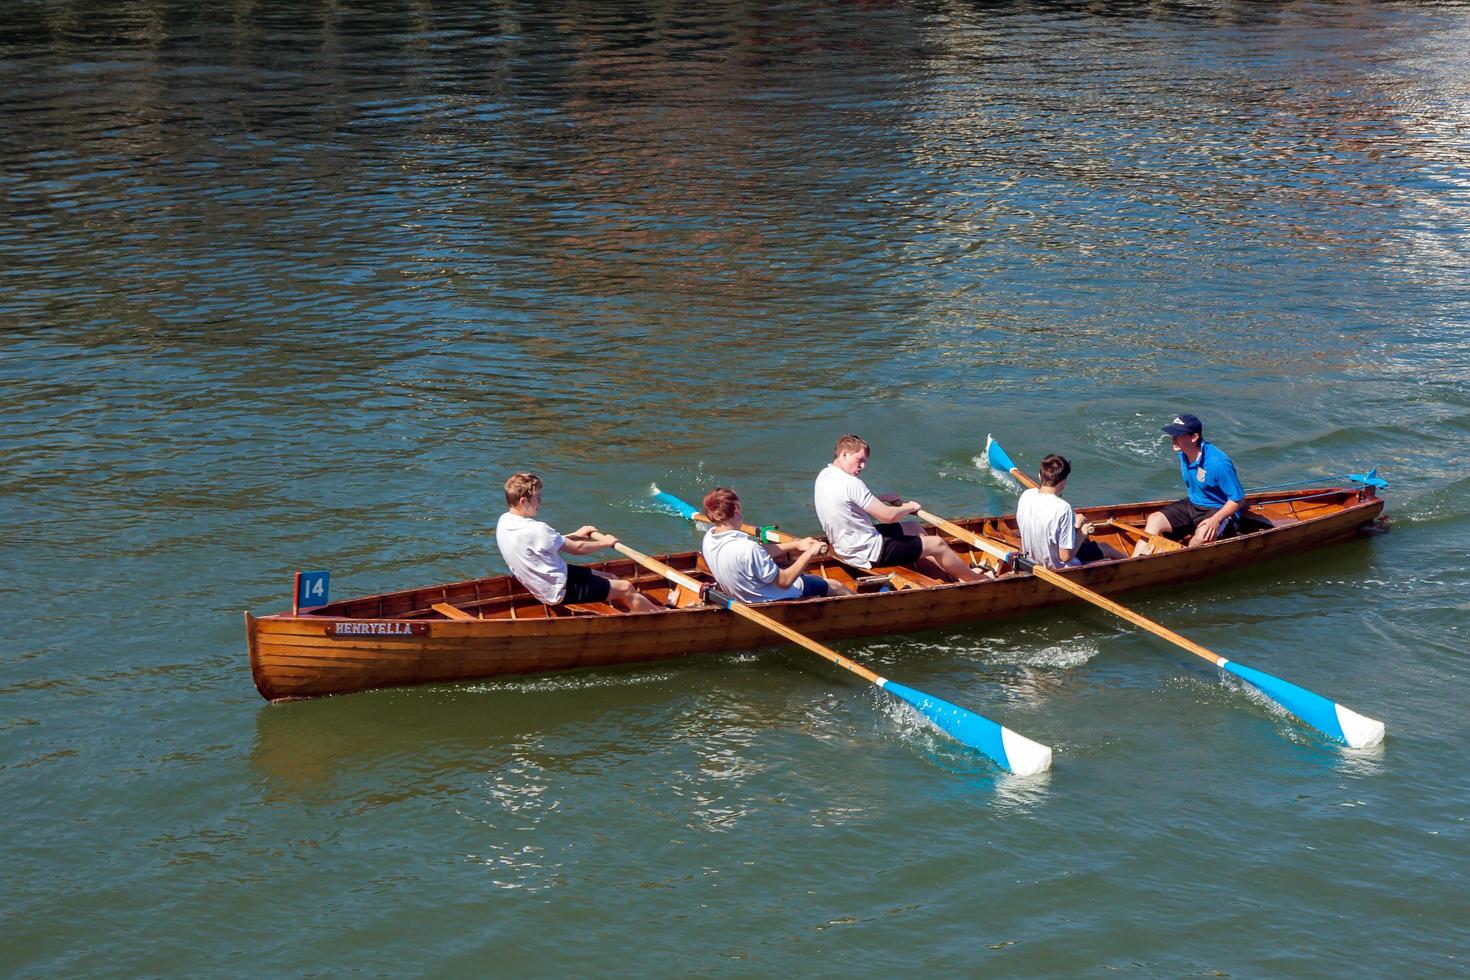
(492, 626)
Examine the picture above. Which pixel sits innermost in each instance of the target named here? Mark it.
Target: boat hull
(392, 641)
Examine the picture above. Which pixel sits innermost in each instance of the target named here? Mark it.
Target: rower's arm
(580, 544)
(1209, 528)
(787, 576)
(889, 513)
(1224, 513)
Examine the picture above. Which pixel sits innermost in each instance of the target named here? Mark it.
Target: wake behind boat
(492, 627)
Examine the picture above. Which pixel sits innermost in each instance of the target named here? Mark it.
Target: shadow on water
(303, 747)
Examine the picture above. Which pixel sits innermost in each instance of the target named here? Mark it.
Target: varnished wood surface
(508, 632)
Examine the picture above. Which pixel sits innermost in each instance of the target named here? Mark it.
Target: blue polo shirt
(1211, 479)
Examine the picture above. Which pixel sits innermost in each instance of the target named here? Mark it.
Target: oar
(1006, 748)
(766, 532)
(1002, 462)
(1327, 716)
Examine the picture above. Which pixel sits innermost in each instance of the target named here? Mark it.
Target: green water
(289, 287)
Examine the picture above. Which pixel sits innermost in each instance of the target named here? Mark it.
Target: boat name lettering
(377, 629)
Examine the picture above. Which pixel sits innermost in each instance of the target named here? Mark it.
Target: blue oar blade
(1369, 479)
(999, 461)
(1006, 748)
(1325, 715)
(672, 502)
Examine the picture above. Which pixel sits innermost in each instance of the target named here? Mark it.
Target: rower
(747, 570)
(848, 511)
(1053, 534)
(533, 550)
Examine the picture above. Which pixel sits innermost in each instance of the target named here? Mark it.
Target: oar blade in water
(1321, 713)
(672, 502)
(1010, 750)
(997, 457)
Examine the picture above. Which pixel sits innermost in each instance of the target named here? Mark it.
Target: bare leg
(837, 588)
(930, 567)
(1157, 523)
(954, 566)
(627, 598)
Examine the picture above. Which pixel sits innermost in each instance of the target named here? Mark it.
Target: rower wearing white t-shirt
(533, 550)
(1051, 533)
(847, 510)
(746, 569)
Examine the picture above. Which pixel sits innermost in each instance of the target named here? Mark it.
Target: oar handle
(741, 609)
(1067, 585)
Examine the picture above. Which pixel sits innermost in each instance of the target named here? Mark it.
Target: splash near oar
(1008, 749)
(1325, 715)
(673, 503)
(1002, 463)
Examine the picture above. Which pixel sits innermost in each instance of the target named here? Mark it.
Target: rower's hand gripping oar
(1327, 716)
(1006, 748)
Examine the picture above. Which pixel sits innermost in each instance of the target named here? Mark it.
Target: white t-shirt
(1046, 523)
(842, 501)
(743, 568)
(532, 549)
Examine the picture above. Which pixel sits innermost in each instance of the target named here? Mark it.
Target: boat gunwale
(1363, 501)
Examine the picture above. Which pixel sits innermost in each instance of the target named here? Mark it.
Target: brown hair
(850, 444)
(1054, 469)
(720, 504)
(520, 486)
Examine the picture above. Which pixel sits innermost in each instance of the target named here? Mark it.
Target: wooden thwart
(1157, 541)
(452, 612)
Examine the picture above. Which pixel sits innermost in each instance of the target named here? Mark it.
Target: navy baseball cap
(1184, 425)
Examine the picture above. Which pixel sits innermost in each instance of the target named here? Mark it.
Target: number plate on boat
(378, 628)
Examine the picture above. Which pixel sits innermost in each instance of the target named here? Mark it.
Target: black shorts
(898, 548)
(1089, 551)
(813, 586)
(585, 585)
(1185, 515)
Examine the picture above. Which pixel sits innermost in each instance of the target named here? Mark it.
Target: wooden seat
(907, 578)
(451, 612)
(1158, 541)
(595, 608)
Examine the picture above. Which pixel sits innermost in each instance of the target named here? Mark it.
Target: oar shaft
(1008, 749)
(766, 532)
(741, 609)
(1327, 716)
(1066, 584)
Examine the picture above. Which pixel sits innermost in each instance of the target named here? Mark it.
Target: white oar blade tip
(1026, 758)
(1359, 731)
(653, 490)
